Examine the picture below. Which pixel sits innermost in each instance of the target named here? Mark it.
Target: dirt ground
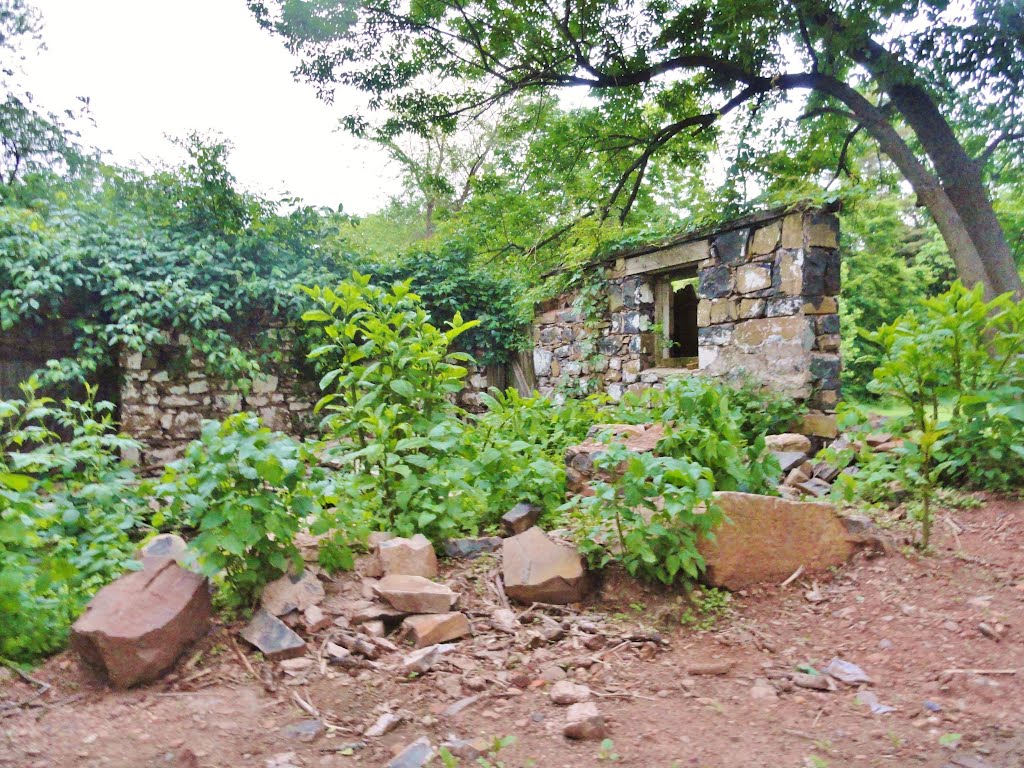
(941, 637)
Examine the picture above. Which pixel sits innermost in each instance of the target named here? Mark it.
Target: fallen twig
(623, 695)
(42, 685)
(304, 705)
(794, 577)
(980, 672)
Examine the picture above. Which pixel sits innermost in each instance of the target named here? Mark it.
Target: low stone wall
(164, 408)
(768, 308)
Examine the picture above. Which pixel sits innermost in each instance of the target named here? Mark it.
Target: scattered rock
(992, 633)
(304, 730)
(292, 592)
(297, 664)
(789, 460)
(846, 672)
(768, 538)
(815, 487)
(338, 655)
(373, 628)
(416, 755)
(462, 704)
(166, 545)
(504, 620)
(468, 549)
(710, 668)
(538, 570)
(868, 699)
(384, 724)
(408, 557)
(136, 627)
(520, 519)
(434, 628)
(415, 594)
(469, 751)
(584, 722)
(272, 637)
(552, 674)
(566, 692)
(788, 441)
(762, 690)
(826, 472)
(813, 682)
(423, 660)
(377, 612)
(315, 619)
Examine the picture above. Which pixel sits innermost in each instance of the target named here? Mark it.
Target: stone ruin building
(756, 300)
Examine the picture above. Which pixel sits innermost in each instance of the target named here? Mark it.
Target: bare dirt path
(911, 623)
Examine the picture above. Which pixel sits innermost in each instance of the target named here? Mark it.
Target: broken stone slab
(826, 472)
(416, 755)
(579, 459)
(165, 546)
(136, 627)
(765, 539)
(292, 592)
(566, 692)
(408, 557)
(789, 460)
(815, 487)
(315, 619)
(415, 594)
(788, 441)
(537, 570)
(505, 620)
(423, 660)
(519, 519)
(272, 637)
(467, 549)
(391, 617)
(304, 730)
(583, 722)
(434, 628)
(384, 724)
(465, 749)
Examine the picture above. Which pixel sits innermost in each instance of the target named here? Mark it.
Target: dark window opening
(683, 325)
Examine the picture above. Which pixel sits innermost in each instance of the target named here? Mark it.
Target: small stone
(304, 730)
(416, 755)
(166, 545)
(989, 631)
(471, 548)
(297, 664)
(292, 592)
(423, 660)
(272, 637)
(813, 682)
(338, 655)
(315, 619)
(552, 674)
(415, 594)
(504, 620)
(566, 692)
(710, 668)
(846, 672)
(373, 629)
(583, 722)
(762, 690)
(519, 519)
(470, 751)
(788, 441)
(384, 724)
(789, 460)
(408, 557)
(434, 628)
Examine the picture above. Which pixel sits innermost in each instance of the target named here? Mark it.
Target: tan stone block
(819, 424)
(829, 342)
(791, 277)
(766, 238)
(828, 398)
(753, 277)
(722, 311)
(750, 308)
(823, 231)
(754, 333)
(676, 255)
(704, 313)
(556, 368)
(825, 305)
(793, 231)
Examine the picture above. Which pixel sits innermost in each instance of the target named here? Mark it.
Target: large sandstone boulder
(765, 539)
(537, 570)
(135, 628)
(409, 557)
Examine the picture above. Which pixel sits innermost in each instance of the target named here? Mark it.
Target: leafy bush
(650, 517)
(958, 368)
(703, 425)
(247, 491)
(389, 381)
(69, 514)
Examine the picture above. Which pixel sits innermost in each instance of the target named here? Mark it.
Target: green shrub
(70, 512)
(246, 491)
(958, 369)
(703, 425)
(650, 517)
(389, 378)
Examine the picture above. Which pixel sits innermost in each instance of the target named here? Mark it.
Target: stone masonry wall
(768, 290)
(164, 409)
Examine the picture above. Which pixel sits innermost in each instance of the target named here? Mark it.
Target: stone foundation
(767, 312)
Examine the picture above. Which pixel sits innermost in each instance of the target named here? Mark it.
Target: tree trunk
(959, 174)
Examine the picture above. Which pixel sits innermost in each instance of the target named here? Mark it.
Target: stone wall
(163, 407)
(768, 307)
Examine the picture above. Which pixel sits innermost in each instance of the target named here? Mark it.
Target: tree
(905, 72)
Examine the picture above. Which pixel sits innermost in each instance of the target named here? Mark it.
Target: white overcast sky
(153, 68)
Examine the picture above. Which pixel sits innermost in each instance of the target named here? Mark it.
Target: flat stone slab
(519, 519)
(537, 570)
(136, 627)
(415, 594)
(468, 549)
(272, 637)
(292, 592)
(789, 459)
(434, 628)
(765, 539)
(410, 557)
